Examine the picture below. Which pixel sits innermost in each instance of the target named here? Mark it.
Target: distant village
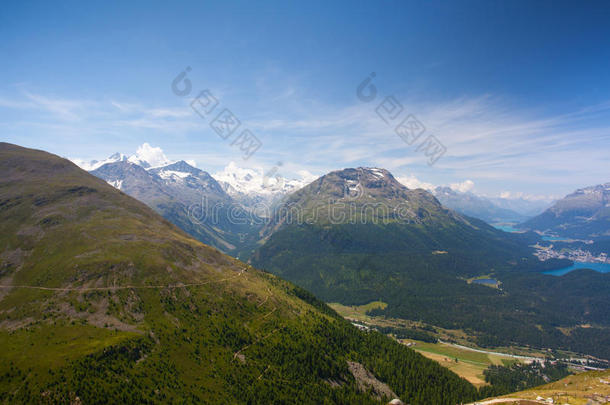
(576, 255)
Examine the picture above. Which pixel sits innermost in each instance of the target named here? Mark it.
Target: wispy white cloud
(413, 182)
(61, 108)
(490, 143)
(94, 115)
(462, 187)
(486, 139)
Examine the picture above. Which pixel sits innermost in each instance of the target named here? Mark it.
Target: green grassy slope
(103, 301)
(580, 389)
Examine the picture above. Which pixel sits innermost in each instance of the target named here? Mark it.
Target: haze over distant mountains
(475, 206)
(583, 214)
(252, 187)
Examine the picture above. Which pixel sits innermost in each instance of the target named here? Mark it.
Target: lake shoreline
(595, 266)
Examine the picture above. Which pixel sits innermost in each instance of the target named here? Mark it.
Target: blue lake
(506, 228)
(553, 238)
(601, 267)
(485, 281)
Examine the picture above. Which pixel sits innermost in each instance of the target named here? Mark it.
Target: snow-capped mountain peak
(238, 181)
(94, 164)
(182, 173)
(146, 156)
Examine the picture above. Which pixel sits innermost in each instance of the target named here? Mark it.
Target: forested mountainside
(420, 259)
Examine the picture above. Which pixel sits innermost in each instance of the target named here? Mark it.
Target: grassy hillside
(103, 301)
(592, 387)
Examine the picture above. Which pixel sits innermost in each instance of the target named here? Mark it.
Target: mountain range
(113, 303)
(104, 301)
(184, 195)
(260, 190)
(358, 235)
(524, 206)
(252, 187)
(476, 206)
(355, 236)
(584, 214)
(225, 210)
(370, 211)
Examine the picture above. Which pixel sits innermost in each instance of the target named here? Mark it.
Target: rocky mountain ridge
(583, 214)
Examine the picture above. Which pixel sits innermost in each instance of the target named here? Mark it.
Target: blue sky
(517, 92)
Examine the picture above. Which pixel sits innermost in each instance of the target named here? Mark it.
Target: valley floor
(460, 357)
(465, 363)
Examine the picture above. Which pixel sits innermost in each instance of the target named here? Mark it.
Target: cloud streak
(490, 143)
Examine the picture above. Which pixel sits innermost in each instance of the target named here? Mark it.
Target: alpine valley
(104, 301)
(384, 242)
(356, 236)
(100, 287)
(320, 203)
